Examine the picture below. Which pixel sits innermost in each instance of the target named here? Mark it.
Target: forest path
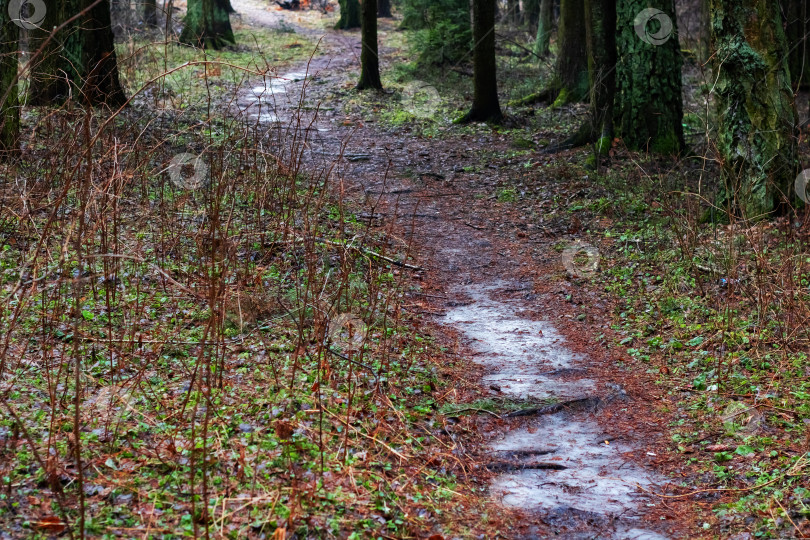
(574, 473)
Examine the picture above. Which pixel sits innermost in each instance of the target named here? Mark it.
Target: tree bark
(485, 105)
(797, 27)
(545, 25)
(384, 8)
(369, 59)
(349, 15)
(9, 97)
(150, 13)
(649, 110)
(79, 61)
(207, 25)
(571, 68)
(756, 115)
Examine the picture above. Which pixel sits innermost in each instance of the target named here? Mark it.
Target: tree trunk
(797, 26)
(150, 13)
(531, 12)
(571, 69)
(756, 116)
(545, 25)
(485, 98)
(349, 15)
(649, 110)
(513, 12)
(226, 5)
(384, 8)
(80, 60)
(9, 98)
(207, 25)
(369, 61)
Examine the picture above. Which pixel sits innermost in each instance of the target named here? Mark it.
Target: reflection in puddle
(596, 484)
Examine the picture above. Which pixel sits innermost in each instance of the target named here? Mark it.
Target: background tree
(207, 25)
(79, 60)
(756, 117)
(485, 105)
(384, 8)
(513, 12)
(545, 25)
(150, 13)
(442, 30)
(349, 15)
(797, 31)
(530, 13)
(649, 110)
(369, 59)
(569, 82)
(9, 99)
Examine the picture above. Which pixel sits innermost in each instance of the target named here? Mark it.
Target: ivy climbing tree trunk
(649, 110)
(9, 98)
(485, 105)
(79, 61)
(756, 116)
(369, 59)
(349, 15)
(545, 25)
(207, 25)
(384, 8)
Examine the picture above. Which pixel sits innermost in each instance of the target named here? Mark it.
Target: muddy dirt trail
(573, 469)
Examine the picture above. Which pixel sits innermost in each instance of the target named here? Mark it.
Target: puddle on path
(275, 95)
(592, 488)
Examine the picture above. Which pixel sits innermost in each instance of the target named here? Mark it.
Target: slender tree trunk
(513, 12)
(150, 13)
(545, 25)
(485, 99)
(369, 59)
(349, 15)
(384, 8)
(649, 110)
(571, 69)
(207, 25)
(756, 115)
(9, 97)
(80, 60)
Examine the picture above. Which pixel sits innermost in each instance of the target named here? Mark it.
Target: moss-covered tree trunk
(756, 117)
(485, 105)
(79, 61)
(545, 25)
(571, 68)
(369, 59)
(797, 32)
(349, 15)
(384, 8)
(649, 110)
(207, 25)
(9, 98)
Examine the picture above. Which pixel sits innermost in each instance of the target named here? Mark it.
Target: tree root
(579, 403)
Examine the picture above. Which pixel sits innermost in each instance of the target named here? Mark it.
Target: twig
(476, 410)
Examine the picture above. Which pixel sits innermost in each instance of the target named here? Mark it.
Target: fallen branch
(556, 407)
(509, 466)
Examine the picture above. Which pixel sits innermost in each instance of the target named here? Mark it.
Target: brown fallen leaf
(435, 537)
(52, 524)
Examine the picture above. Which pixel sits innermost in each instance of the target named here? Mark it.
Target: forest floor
(552, 350)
